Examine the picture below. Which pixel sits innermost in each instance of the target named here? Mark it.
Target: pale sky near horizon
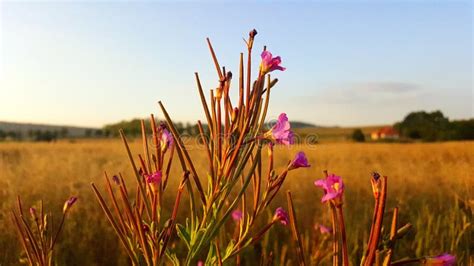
(89, 63)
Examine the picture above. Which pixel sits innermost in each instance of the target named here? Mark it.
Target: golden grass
(432, 183)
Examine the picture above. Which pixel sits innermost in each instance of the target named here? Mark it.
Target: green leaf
(210, 189)
(230, 249)
(173, 258)
(183, 234)
(211, 256)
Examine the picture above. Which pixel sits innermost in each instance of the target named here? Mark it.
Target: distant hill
(27, 130)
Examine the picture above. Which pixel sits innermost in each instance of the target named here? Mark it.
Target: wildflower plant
(235, 191)
(237, 188)
(37, 234)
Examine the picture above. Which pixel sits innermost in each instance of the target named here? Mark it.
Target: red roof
(388, 131)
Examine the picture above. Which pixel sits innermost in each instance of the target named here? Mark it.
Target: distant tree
(462, 130)
(425, 126)
(179, 127)
(132, 128)
(14, 135)
(88, 133)
(63, 133)
(107, 132)
(49, 136)
(31, 134)
(358, 135)
(98, 133)
(3, 135)
(37, 135)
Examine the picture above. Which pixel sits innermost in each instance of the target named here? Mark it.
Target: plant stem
(378, 224)
(393, 233)
(335, 240)
(294, 229)
(345, 258)
(407, 261)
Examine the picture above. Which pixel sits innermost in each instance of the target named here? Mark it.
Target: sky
(349, 63)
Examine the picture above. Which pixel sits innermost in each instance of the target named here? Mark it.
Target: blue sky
(348, 62)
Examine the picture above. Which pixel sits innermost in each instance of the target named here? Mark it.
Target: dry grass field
(432, 183)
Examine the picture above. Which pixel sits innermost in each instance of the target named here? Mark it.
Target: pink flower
(200, 263)
(282, 216)
(166, 140)
(33, 213)
(333, 187)
(154, 180)
(237, 215)
(300, 160)
(441, 260)
(323, 229)
(270, 63)
(281, 132)
(68, 204)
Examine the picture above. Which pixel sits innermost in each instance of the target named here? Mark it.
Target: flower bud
(68, 204)
(441, 260)
(253, 33)
(33, 213)
(235, 114)
(154, 181)
(376, 184)
(282, 216)
(299, 161)
(237, 215)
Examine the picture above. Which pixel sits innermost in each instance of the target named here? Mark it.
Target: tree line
(46, 135)
(132, 128)
(429, 126)
(434, 126)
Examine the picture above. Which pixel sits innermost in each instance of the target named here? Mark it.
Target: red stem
(345, 258)
(378, 224)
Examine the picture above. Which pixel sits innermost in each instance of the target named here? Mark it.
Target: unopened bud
(235, 114)
(116, 179)
(68, 204)
(154, 181)
(376, 175)
(376, 184)
(252, 33)
(33, 213)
